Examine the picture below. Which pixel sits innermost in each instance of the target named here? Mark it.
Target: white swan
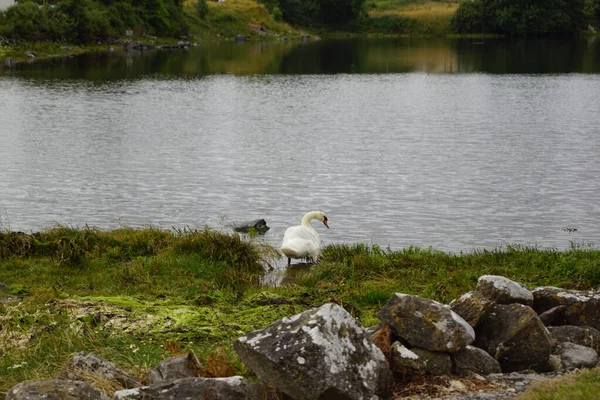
(303, 241)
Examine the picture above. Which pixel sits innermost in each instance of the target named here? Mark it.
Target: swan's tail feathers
(290, 252)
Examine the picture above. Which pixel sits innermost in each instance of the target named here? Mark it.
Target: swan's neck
(309, 217)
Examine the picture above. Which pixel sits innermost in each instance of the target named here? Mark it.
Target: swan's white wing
(301, 242)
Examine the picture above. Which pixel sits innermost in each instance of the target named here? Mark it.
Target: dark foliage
(386, 24)
(273, 7)
(522, 17)
(86, 21)
(321, 12)
(201, 8)
(468, 18)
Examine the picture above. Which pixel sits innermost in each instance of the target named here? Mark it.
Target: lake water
(453, 144)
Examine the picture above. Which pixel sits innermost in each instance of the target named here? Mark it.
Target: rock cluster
(497, 329)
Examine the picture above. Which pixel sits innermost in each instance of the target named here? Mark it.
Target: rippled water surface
(427, 151)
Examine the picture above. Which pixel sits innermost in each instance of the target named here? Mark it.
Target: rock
(425, 323)
(9, 62)
(514, 335)
(55, 390)
(383, 340)
(319, 353)
(472, 306)
(66, 48)
(4, 287)
(420, 361)
(259, 225)
(575, 356)
(234, 387)
(406, 361)
(240, 38)
(85, 365)
(373, 329)
(582, 335)
(436, 363)
(504, 291)
(304, 38)
(581, 306)
(174, 368)
(555, 363)
(30, 54)
(143, 46)
(475, 360)
(554, 316)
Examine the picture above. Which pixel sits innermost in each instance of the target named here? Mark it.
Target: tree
(521, 17)
(317, 12)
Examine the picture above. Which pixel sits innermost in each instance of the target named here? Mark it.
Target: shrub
(385, 24)
(340, 11)
(272, 7)
(468, 18)
(201, 8)
(316, 12)
(300, 12)
(518, 17)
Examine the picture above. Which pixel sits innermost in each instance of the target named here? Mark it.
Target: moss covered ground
(137, 296)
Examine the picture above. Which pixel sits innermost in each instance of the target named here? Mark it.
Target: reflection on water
(449, 160)
(497, 56)
(283, 275)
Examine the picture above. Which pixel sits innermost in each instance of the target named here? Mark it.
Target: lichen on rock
(318, 352)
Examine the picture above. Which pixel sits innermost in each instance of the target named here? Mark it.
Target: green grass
(137, 296)
(238, 17)
(407, 17)
(582, 386)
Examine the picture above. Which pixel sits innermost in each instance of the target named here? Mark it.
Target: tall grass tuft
(443, 276)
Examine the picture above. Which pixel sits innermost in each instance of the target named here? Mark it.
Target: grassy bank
(137, 296)
(223, 21)
(408, 17)
(226, 20)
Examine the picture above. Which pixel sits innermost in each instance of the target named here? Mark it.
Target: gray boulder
(406, 361)
(575, 356)
(174, 368)
(472, 306)
(55, 390)
(514, 335)
(234, 387)
(259, 225)
(86, 365)
(425, 323)
(436, 363)
(420, 361)
(581, 306)
(582, 335)
(473, 359)
(320, 353)
(504, 291)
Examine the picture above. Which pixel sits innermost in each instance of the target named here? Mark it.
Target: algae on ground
(137, 297)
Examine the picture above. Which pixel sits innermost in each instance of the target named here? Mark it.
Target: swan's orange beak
(325, 222)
